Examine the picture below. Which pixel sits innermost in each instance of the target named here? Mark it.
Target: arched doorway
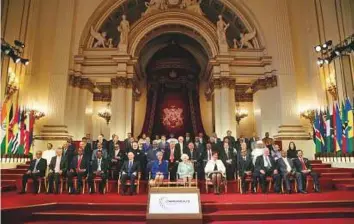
(172, 73)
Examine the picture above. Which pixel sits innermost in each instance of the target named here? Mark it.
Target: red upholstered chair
(40, 181)
(270, 182)
(84, 181)
(209, 182)
(164, 182)
(137, 182)
(95, 182)
(61, 184)
(248, 179)
(295, 183)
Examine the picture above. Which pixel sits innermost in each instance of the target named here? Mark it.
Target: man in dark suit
(252, 142)
(35, 171)
(128, 142)
(228, 157)
(87, 148)
(304, 168)
(173, 156)
(57, 167)
(130, 170)
(180, 146)
(188, 138)
(287, 171)
(99, 148)
(99, 169)
(68, 153)
(78, 168)
(117, 158)
(244, 168)
(100, 139)
(163, 145)
(265, 166)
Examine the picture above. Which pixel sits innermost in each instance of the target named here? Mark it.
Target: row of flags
(16, 127)
(333, 128)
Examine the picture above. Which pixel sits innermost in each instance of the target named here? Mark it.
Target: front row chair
(194, 181)
(97, 179)
(164, 182)
(209, 182)
(40, 180)
(137, 182)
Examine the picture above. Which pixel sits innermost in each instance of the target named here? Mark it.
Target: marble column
(56, 129)
(118, 106)
(128, 108)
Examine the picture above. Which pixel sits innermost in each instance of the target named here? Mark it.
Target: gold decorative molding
(241, 94)
(224, 82)
(264, 83)
(82, 83)
(121, 82)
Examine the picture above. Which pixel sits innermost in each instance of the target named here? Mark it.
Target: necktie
(130, 166)
(303, 164)
(79, 162)
(35, 165)
(268, 165)
(172, 156)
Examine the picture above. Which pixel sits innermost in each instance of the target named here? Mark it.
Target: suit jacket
(156, 167)
(282, 165)
(232, 141)
(151, 154)
(223, 157)
(104, 154)
(69, 154)
(298, 165)
(41, 166)
(164, 146)
(63, 163)
(244, 165)
(104, 144)
(127, 144)
(122, 154)
(88, 150)
(135, 167)
(196, 155)
(177, 155)
(84, 163)
(178, 147)
(104, 165)
(260, 163)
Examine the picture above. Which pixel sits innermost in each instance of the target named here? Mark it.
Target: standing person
(172, 139)
(100, 139)
(173, 155)
(49, 153)
(232, 140)
(227, 156)
(57, 168)
(180, 146)
(35, 171)
(68, 153)
(117, 158)
(128, 142)
(87, 148)
(130, 171)
(112, 143)
(252, 142)
(163, 145)
(292, 151)
(268, 142)
(188, 138)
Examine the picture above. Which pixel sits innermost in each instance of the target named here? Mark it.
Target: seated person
(57, 168)
(99, 148)
(292, 152)
(185, 169)
(266, 166)
(130, 170)
(303, 167)
(159, 170)
(215, 170)
(79, 169)
(287, 170)
(35, 171)
(259, 150)
(244, 168)
(99, 169)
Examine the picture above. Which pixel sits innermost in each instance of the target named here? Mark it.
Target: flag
(13, 130)
(322, 129)
(338, 129)
(329, 131)
(5, 114)
(318, 137)
(29, 132)
(349, 128)
(344, 128)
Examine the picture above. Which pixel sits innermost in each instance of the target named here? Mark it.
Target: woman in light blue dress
(185, 169)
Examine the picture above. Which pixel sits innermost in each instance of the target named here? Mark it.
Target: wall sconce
(240, 114)
(12, 83)
(106, 113)
(308, 114)
(36, 113)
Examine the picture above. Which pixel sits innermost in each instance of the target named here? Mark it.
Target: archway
(172, 65)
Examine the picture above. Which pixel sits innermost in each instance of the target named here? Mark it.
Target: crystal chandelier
(240, 113)
(106, 113)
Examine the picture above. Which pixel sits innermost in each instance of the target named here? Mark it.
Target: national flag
(13, 130)
(350, 127)
(322, 129)
(329, 131)
(344, 128)
(318, 138)
(5, 114)
(338, 129)
(29, 132)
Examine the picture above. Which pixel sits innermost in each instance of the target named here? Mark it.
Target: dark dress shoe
(289, 192)
(317, 190)
(302, 192)
(22, 192)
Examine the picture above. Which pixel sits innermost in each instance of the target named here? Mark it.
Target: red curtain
(172, 110)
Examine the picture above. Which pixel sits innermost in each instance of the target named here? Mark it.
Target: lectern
(174, 205)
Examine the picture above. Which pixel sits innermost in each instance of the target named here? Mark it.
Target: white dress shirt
(267, 161)
(57, 165)
(288, 167)
(99, 161)
(255, 153)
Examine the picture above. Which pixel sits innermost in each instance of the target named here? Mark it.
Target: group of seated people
(171, 159)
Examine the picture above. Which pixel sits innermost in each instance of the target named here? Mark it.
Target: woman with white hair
(159, 170)
(185, 169)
